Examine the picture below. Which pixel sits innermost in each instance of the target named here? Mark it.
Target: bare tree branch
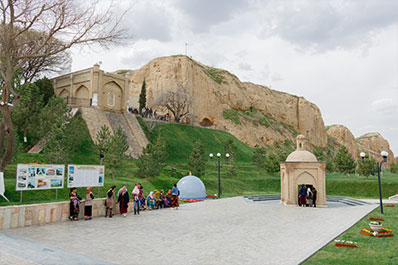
(177, 102)
(35, 35)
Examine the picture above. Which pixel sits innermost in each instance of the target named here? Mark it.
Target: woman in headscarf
(74, 204)
(151, 201)
(88, 206)
(167, 199)
(123, 201)
(157, 198)
(174, 196)
(110, 201)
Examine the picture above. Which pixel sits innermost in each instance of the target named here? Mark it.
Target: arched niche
(82, 92)
(112, 96)
(305, 178)
(64, 93)
(206, 122)
(81, 96)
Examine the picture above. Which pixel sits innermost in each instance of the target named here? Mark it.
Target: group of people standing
(75, 204)
(307, 196)
(155, 200)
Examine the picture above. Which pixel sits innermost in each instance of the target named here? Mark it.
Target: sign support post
(20, 199)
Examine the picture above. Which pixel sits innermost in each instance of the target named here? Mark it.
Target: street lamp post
(379, 165)
(219, 170)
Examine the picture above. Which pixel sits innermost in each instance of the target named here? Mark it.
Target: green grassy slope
(180, 140)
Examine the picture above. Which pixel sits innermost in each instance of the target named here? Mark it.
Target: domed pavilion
(302, 167)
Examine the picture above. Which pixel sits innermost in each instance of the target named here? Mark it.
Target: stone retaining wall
(44, 213)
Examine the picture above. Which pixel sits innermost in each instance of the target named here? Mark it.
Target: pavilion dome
(191, 188)
(301, 155)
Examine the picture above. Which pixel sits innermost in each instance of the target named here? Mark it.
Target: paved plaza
(227, 231)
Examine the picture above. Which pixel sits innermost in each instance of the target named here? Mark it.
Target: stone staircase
(136, 129)
(133, 131)
(95, 118)
(277, 197)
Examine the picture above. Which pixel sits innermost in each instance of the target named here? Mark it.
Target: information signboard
(39, 177)
(85, 176)
(2, 188)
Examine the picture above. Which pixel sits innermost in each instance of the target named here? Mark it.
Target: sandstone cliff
(343, 136)
(253, 113)
(374, 143)
(370, 143)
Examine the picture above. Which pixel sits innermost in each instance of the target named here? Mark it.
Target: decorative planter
(375, 226)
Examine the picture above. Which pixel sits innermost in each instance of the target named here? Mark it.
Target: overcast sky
(341, 55)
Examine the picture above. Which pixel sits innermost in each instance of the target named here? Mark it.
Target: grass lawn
(370, 250)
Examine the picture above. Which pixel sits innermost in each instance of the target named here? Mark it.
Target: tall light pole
(186, 49)
(379, 165)
(219, 170)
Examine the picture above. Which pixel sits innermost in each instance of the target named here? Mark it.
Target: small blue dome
(191, 188)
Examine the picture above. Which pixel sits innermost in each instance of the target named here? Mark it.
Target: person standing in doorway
(309, 197)
(303, 195)
(88, 206)
(314, 192)
(110, 201)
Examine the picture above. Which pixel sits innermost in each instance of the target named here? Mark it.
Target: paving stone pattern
(227, 231)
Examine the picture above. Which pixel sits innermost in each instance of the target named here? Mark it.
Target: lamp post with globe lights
(379, 165)
(219, 170)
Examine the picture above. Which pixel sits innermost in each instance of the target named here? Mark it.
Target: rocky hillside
(371, 143)
(253, 113)
(343, 136)
(374, 143)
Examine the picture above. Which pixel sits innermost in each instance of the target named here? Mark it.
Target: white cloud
(342, 55)
(245, 66)
(385, 106)
(323, 25)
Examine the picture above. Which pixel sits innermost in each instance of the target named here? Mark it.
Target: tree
(53, 125)
(67, 22)
(46, 89)
(177, 102)
(27, 112)
(57, 149)
(272, 163)
(103, 138)
(115, 153)
(197, 160)
(142, 100)
(55, 113)
(153, 159)
(326, 155)
(231, 149)
(259, 156)
(54, 63)
(344, 162)
(394, 167)
(367, 166)
(62, 146)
